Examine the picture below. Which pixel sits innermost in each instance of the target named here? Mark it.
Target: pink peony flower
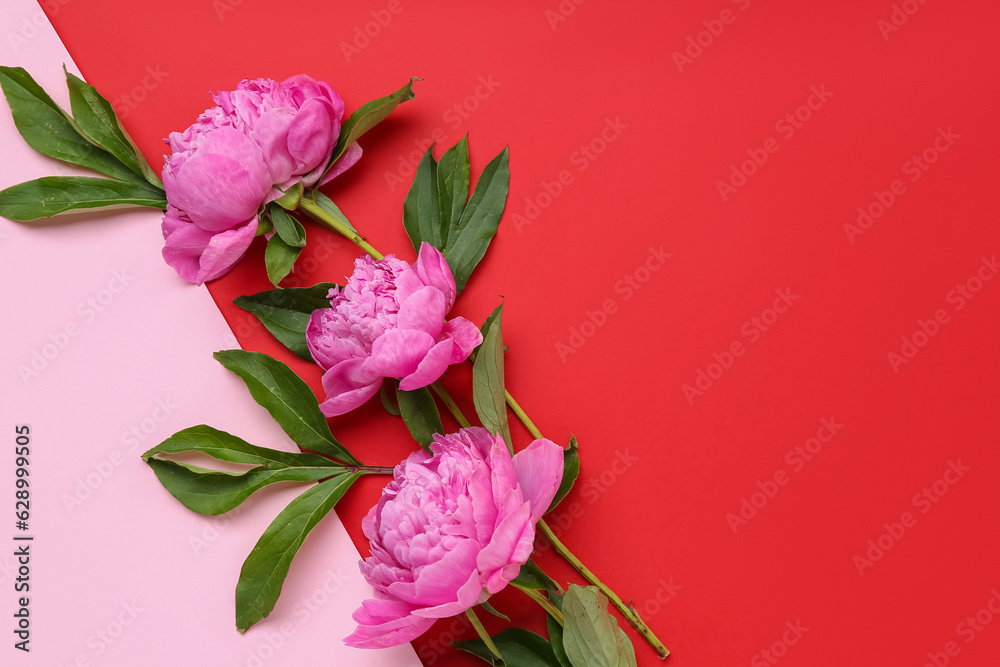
(388, 322)
(261, 139)
(450, 530)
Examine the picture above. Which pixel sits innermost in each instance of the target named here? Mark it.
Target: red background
(659, 526)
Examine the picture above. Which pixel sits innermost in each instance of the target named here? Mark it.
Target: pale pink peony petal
(539, 469)
(347, 386)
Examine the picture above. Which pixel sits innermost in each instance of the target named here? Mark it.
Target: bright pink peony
(261, 139)
(450, 530)
(388, 322)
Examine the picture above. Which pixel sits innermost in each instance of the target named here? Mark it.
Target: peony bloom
(450, 530)
(388, 322)
(261, 139)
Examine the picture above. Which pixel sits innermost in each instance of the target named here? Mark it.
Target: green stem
(542, 601)
(522, 415)
(481, 631)
(314, 211)
(375, 470)
(627, 610)
(449, 402)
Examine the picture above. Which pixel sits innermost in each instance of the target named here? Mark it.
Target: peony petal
(468, 596)
(433, 270)
(343, 163)
(466, 335)
(223, 184)
(512, 542)
(326, 347)
(271, 133)
(198, 255)
(385, 623)
(539, 470)
(398, 352)
(440, 582)
(431, 367)
(311, 136)
(347, 386)
(424, 310)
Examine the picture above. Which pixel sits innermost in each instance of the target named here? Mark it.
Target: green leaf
(279, 258)
(420, 413)
(367, 117)
(52, 195)
(330, 208)
(421, 208)
(387, 394)
(490, 608)
(96, 120)
(571, 470)
(50, 130)
(532, 576)
(289, 400)
(556, 632)
(487, 382)
(468, 241)
(266, 567)
(591, 635)
(285, 312)
(453, 185)
(520, 648)
(288, 228)
(212, 491)
(230, 448)
(290, 200)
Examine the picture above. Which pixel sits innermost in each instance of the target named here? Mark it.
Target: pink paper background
(121, 573)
